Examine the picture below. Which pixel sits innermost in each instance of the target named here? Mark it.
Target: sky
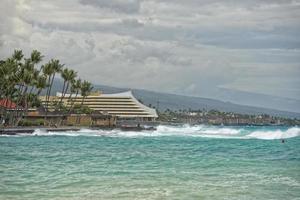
(190, 47)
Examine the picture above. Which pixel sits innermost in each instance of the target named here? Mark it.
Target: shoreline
(30, 130)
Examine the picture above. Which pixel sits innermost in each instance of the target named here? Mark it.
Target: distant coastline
(26, 100)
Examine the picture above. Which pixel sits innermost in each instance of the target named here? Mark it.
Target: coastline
(30, 130)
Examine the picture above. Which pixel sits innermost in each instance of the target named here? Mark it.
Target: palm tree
(17, 77)
(50, 70)
(69, 77)
(24, 78)
(37, 82)
(41, 84)
(8, 80)
(86, 88)
(28, 74)
(21, 82)
(47, 72)
(34, 76)
(56, 67)
(75, 87)
(36, 57)
(18, 55)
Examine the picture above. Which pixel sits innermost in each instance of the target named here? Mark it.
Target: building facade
(123, 105)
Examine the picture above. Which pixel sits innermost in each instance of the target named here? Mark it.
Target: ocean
(173, 162)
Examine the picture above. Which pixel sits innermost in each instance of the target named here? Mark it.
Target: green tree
(86, 88)
(69, 76)
(75, 88)
(50, 70)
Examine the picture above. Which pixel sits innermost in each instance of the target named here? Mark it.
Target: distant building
(123, 105)
(192, 113)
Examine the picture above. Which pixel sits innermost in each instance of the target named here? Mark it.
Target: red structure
(8, 104)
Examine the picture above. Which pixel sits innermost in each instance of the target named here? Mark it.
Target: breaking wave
(263, 133)
(277, 134)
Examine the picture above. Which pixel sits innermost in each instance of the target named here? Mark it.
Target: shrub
(25, 122)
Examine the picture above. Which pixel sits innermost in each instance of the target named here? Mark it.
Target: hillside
(175, 102)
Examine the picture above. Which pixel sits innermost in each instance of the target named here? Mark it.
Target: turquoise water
(171, 163)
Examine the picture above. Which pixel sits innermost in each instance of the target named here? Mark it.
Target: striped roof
(123, 104)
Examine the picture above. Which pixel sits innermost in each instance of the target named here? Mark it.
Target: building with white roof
(122, 105)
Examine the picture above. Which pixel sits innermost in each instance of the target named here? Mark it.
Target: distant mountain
(164, 101)
(259, 100)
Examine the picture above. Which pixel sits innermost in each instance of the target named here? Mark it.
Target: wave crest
(277, 134)
(264, 133)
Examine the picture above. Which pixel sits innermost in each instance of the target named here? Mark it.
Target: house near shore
(123, 106)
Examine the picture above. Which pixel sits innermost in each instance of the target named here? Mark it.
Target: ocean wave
(264, 133)
(277, 134)
(233, 132)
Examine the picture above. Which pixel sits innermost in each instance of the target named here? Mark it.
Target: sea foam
(277, 134)
(265, 133)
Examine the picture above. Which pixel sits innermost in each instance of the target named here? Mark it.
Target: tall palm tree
(11, 68)
(36, 57)
(30, 73)
(69, 76)
(56, 67)
(75, 87)
(18, 55)
(47, 72)
(15, 76)
(35, 74)
(24, 77)
(86, 88)
(50, 70)
(41, 84)
(5, 84)
(21, 82)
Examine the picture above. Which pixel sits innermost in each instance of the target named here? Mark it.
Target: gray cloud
(126, 6)
(193, 47)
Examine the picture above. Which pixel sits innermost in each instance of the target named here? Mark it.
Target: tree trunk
(62, 92)
(49, 96)
(78, 119)
(16, 115)
(73, 103)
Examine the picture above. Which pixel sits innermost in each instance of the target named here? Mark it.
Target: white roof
(127, 94)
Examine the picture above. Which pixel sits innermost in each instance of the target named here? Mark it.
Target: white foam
(277, 134)
(199, 130)
(184, 131)
(222, 131)
(39, 132)
(210, 132)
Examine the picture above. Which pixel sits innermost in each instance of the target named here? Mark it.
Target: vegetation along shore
(23, 80)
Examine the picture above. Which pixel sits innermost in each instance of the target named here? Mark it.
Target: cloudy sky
(192, 47)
